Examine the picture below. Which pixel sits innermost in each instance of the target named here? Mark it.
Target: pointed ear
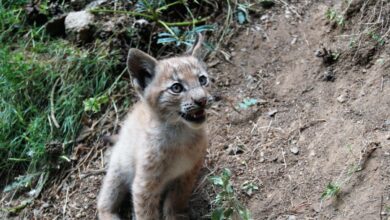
(141, 67)
(197, 47)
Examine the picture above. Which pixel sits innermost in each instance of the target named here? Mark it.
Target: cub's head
(176, 89)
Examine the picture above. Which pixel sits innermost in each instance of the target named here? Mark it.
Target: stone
(272, 113)
(291, 217)
(95, 4)
(294, 150)
(342, 98)
(79, 26)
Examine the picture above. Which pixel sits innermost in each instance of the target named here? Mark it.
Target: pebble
(291, 217)
(79, 25)
(272, 113)
(294, 40)
(264, 17)
(294, 150)
(342, 98)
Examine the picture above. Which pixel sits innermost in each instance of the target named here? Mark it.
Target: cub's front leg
(176, 203)
(146, 191)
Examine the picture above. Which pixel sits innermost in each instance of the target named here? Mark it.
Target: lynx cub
(162, 143)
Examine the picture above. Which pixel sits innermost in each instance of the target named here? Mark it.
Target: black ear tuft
(141, 67)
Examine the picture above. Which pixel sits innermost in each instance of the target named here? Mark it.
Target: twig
(382, 82)
(307, 42)
(380, 211)
(66, 202)
(92, 172)
(284, 158)
(310, 124)
(102, 158)
(269, 126)
(52, 115)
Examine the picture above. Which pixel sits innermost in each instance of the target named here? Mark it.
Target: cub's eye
(203, 80)
(177, 88)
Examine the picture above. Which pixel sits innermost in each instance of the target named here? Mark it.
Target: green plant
(177, 36)
(335, 55)
(43, 83)
(242, 13)
(152, 11)
(227, 204)
(94, 104)
(249, 187)
(331, 190)
(246, 103)
(377, 38)
(333, 15)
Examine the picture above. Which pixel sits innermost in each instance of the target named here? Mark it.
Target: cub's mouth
(198, 116)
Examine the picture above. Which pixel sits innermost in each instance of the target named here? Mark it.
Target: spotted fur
(162, 143)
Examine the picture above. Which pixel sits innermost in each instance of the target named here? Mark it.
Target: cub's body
(143, 141)
(162, 144)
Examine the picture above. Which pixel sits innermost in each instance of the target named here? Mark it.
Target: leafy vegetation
(226, 202)
(335, 16)
(43, 83)
(247, 103)
(249, 187)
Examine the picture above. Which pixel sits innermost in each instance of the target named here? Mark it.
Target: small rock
(234, 150)
(294, 150)
(318, 53)
(262, 157)
(141, 23)
(264, 17)
(329, 75)
(56, 26)
(294, 40)
(95, 4)
(79, 26)
(272, 113)
(291, 217)
(342, 98)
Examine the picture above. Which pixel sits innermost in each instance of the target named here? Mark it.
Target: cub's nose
(202, 102)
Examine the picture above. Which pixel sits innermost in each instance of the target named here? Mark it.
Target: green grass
(331, 190)
(43, 81)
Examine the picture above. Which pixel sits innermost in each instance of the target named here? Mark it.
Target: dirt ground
(313, 124)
